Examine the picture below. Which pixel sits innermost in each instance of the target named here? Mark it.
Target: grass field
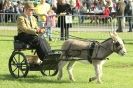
(117, 72)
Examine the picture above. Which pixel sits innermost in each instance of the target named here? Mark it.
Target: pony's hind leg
(60, 68)
(69, 69)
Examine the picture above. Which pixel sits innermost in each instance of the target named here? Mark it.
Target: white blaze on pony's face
(118, 44)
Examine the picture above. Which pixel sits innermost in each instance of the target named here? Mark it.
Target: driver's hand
(38, 31)
(42, 30)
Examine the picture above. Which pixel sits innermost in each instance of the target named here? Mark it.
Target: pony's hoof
(73, 80)
(90, 79)
(99, 82)
(58, 78)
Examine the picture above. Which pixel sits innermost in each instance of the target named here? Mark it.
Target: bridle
(116, 46)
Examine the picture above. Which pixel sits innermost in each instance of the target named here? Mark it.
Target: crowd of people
(105, 8)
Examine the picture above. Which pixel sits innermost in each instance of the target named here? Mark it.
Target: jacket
(24, 25)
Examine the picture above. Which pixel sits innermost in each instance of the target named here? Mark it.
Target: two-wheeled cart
(20, 64)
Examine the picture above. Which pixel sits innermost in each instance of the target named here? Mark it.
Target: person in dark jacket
(63, 9)
(129, 12)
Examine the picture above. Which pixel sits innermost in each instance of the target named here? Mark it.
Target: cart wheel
(49, 72)
(18, 65)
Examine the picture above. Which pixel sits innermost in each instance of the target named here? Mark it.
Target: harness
(90, 51)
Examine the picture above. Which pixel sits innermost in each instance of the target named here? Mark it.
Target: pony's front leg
(98, 71)
(69, 69)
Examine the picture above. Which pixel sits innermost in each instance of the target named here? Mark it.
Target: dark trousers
(64, 33)
(130, 24)
(120, 28)
(37, 42)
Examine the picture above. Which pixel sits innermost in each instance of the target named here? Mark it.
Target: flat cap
(29, 5)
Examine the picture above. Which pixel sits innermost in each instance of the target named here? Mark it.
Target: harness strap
(90, 51)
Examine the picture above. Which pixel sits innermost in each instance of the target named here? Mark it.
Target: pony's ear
(115, 33)
(112, 35)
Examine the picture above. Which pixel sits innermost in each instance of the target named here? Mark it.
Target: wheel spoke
(49, 72)
(18, 72)
(15, 69)
(14, 59)
(18, 58)
(22, 61)
(13, 63)
(22, 72)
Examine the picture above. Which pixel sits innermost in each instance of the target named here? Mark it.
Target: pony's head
(118, 45)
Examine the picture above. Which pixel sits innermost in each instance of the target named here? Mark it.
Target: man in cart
(28, 31)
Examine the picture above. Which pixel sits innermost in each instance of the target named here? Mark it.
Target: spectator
(109, 3)
(83, 10)
(73, 6)
(19, 8)
(129, 12)
(41, 10)
(96, 11)
(88, 4)
(106, 13)
(50, 22)
(1, 6)
(28, 31)
(63, 9)
(7, 8)
(120, 15)
(54, 3)
(1, 11)
(78, 4)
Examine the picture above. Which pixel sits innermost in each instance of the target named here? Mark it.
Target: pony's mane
(106, 40)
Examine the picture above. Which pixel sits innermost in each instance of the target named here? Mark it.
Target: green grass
(117, 72)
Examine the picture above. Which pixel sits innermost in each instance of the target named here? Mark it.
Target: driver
(28, 31)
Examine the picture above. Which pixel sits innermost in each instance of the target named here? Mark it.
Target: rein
(107, 48)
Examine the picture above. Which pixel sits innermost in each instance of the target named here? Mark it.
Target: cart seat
(19, 45)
